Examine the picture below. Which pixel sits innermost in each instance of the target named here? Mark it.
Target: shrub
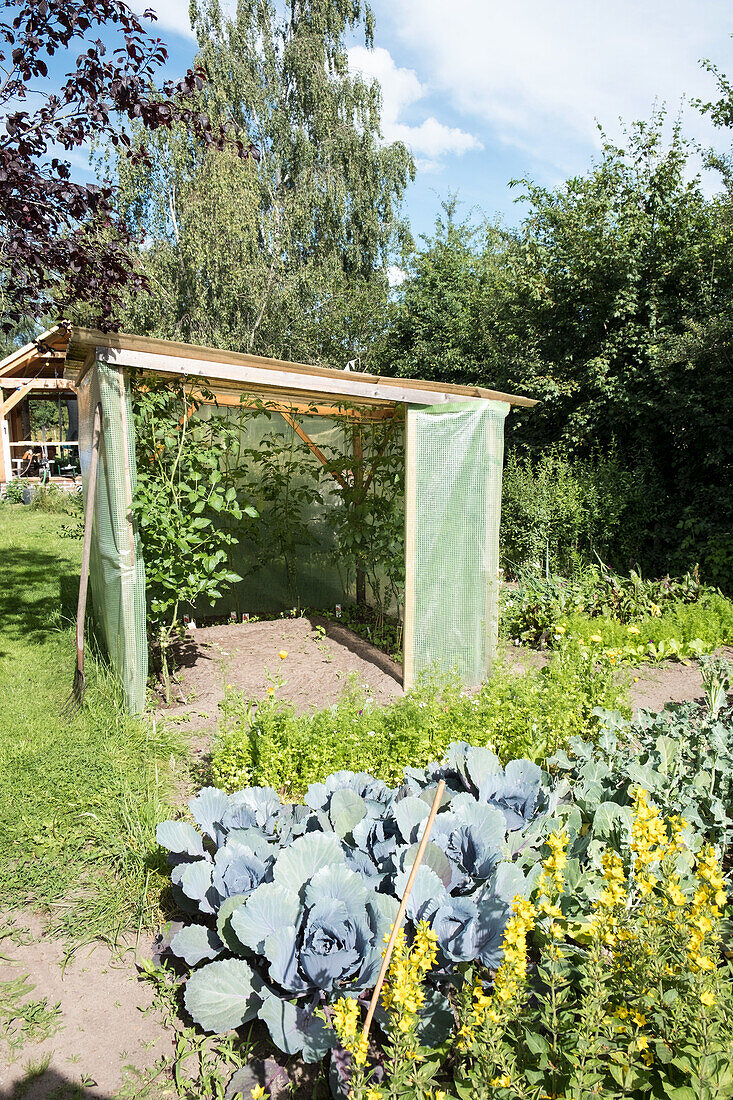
(557, 511)
(529, 715)
(14, 491)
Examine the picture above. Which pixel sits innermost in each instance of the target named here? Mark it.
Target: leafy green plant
(529, 715)
(184, 505)
(14, 491)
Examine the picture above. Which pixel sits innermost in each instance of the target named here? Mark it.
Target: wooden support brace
(15, 399)
(316, 450)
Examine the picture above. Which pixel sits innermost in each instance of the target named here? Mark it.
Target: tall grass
(79, 799)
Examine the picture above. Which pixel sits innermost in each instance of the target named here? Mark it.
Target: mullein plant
(630, 1001)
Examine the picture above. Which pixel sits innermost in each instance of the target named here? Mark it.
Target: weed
(23, 1020)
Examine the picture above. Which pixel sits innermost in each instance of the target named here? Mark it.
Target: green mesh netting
(457, 452)
(457, 457)
(313, 578)
(116, 575)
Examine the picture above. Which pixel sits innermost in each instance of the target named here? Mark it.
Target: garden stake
(403, 906)
(76, 698)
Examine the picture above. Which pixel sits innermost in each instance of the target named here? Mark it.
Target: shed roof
(236, 372)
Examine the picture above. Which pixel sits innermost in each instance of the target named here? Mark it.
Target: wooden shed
(453, 464)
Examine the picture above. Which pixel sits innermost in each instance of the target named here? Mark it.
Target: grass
(79, 800)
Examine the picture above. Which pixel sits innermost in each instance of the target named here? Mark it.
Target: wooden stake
(403, 906)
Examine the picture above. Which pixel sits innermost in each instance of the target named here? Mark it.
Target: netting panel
(116, 574)
(457, 454)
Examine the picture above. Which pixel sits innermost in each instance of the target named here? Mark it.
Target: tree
(445, 321)
(289, 259)
(62, 240)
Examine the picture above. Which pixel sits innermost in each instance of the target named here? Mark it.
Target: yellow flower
(596, 638)
(257, 1092)
(504, 1081)
(656, 609)
(707, 998)
(632, 630)
(560, 629)
(283, 654)
(270, 691)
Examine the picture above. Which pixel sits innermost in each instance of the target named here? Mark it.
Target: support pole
(408, 634)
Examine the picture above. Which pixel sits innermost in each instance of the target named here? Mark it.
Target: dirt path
(103, 1024)
(652, 685)
(321, 656)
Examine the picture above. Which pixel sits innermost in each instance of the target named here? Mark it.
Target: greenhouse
(438, 448)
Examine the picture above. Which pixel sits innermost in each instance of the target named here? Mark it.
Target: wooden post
(356, 502)
(6, 466)
(408, 632)
(437, 799)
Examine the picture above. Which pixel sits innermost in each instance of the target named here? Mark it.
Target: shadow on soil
(47, 1084)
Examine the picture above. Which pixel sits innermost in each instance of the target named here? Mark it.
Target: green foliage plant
(628, 1000)
(185, 507)
(621, 618)
(518, 715)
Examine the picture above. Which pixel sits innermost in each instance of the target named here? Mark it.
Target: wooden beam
(316, 450)
(14, 399)
(233, 399)
(13, 382)
(272, 377)
(408, 631)
(56, 338)
(6, 466)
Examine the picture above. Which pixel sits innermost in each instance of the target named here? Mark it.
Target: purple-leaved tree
(62, 241)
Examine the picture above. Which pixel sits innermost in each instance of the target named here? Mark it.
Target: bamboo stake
(403, 906)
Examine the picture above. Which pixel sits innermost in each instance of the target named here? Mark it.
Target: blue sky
(485, 91)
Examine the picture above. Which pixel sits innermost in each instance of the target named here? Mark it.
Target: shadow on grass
(33, 593)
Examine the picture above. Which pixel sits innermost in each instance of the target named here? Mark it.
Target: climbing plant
(187, 504)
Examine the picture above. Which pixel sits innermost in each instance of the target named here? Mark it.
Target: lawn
(79, 799)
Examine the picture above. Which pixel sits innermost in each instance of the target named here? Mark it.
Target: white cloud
(172, 15)
(395, 275)
(540, 74)
(401, 88)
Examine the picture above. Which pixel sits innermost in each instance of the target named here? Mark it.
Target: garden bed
(321, 656)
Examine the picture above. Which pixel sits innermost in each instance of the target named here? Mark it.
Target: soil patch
(321, 656)
(651, 686)
(103, 1024)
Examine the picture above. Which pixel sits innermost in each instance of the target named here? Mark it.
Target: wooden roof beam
(333, 384)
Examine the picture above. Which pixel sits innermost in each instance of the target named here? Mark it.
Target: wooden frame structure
(33, 371)
(292, 389)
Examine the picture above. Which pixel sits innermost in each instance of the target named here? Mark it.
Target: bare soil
(105, 1018)
(321, 657)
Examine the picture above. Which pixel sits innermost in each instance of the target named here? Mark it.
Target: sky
(484, 91)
